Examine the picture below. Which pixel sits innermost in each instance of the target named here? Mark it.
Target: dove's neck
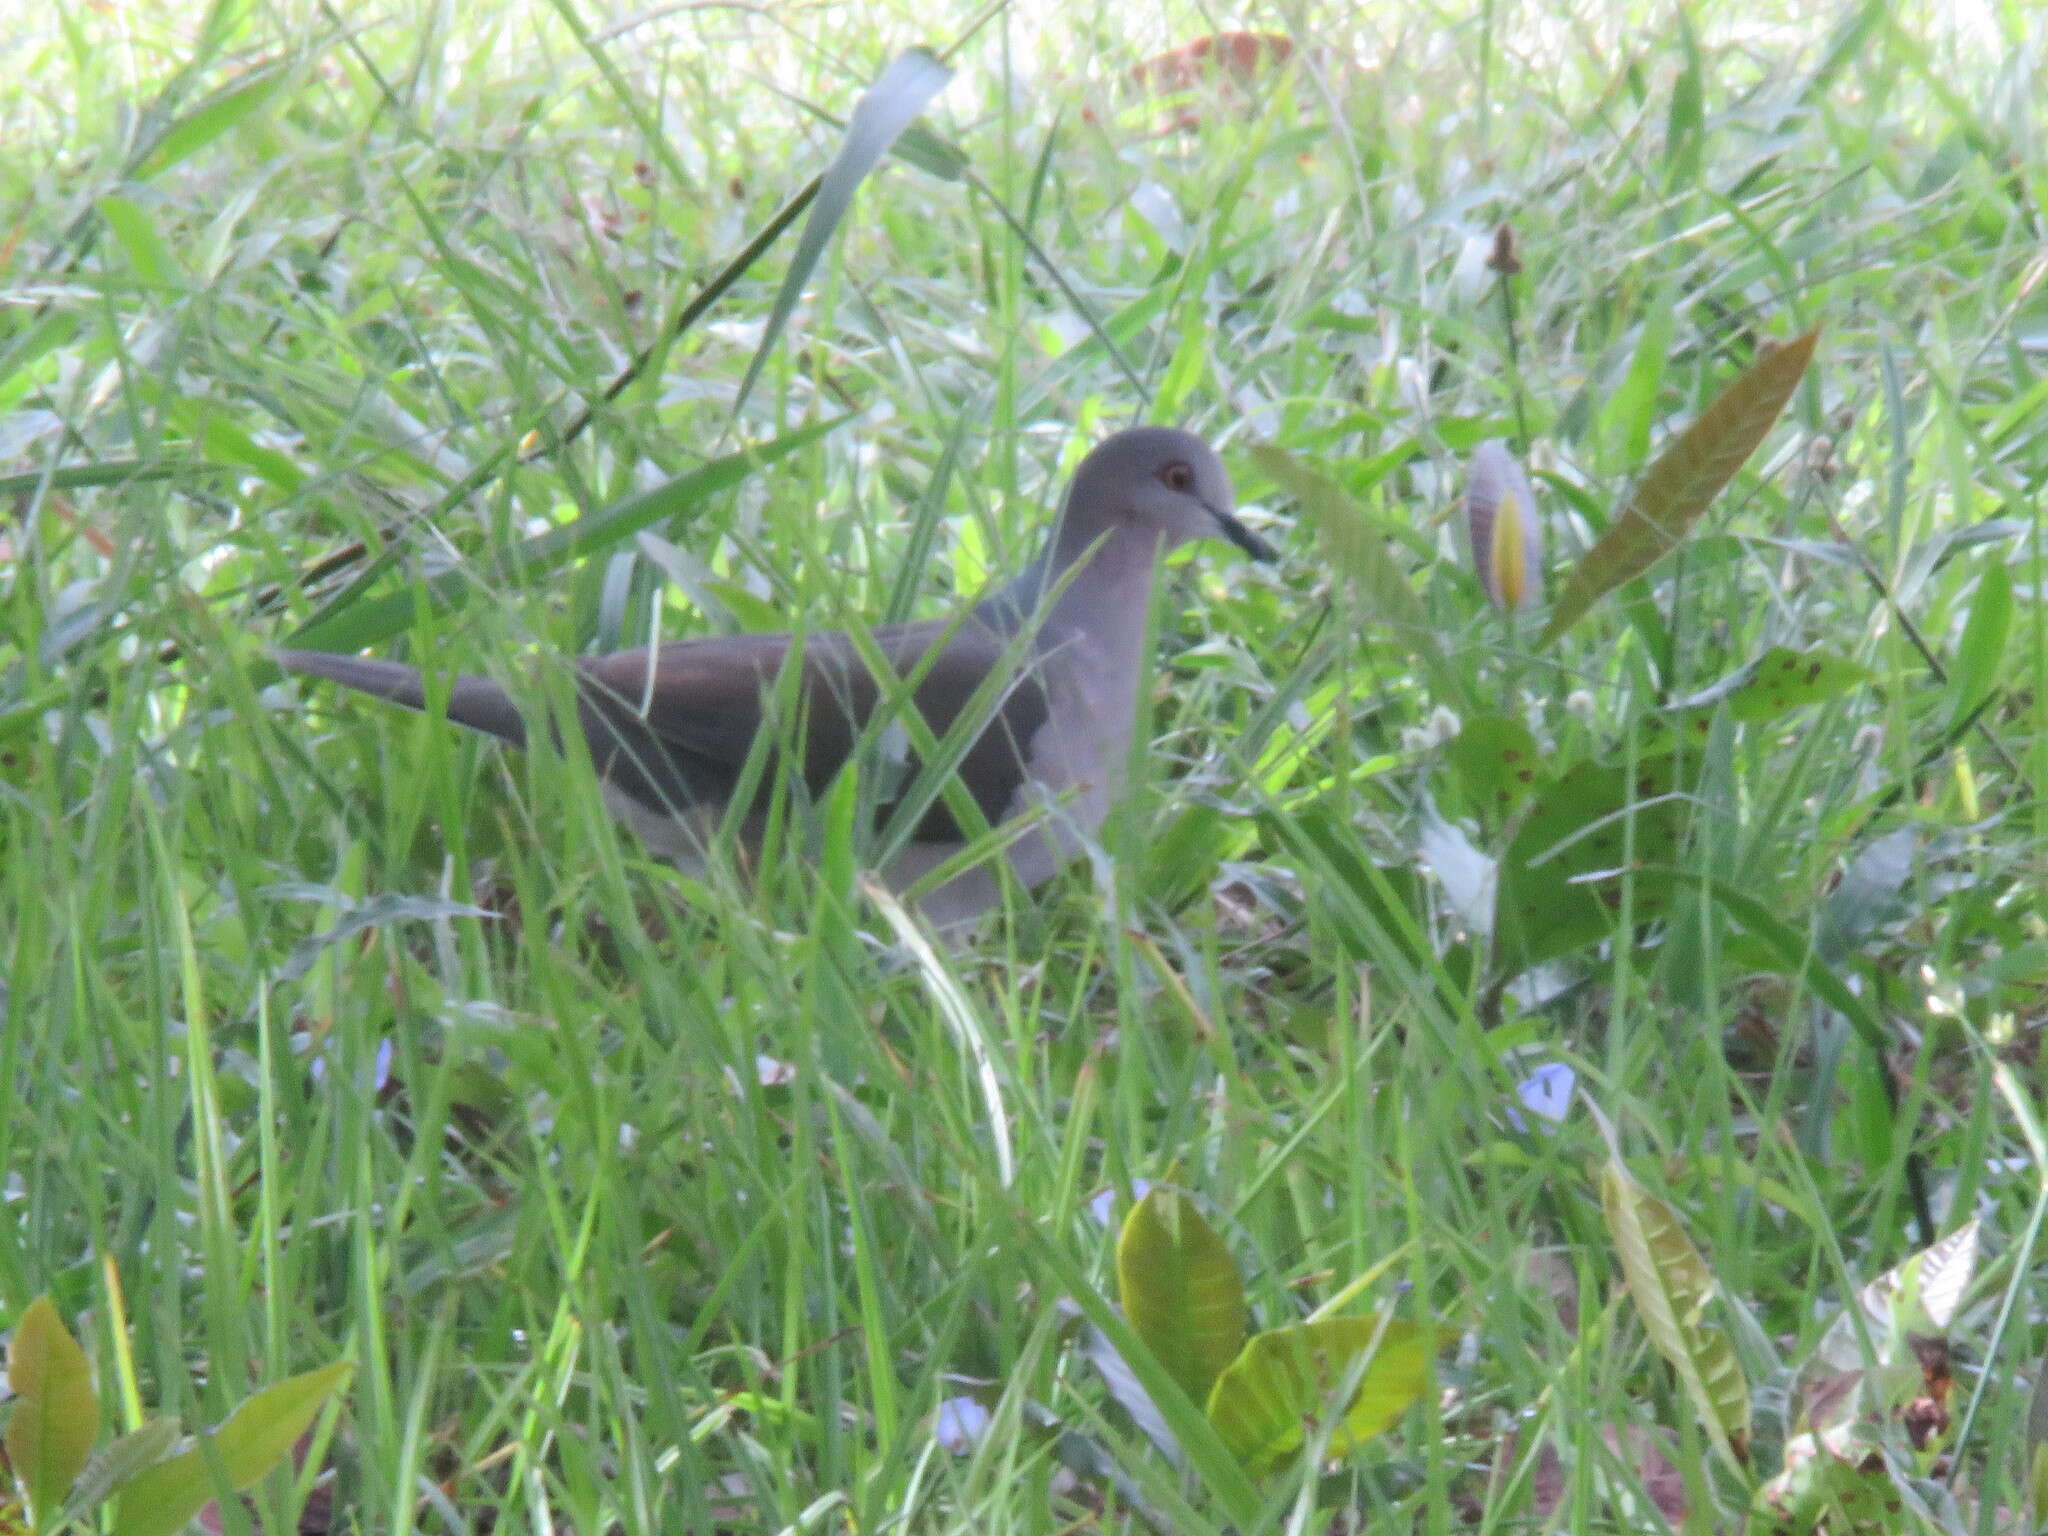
(1094, 592)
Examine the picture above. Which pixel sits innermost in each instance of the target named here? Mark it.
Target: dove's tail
(476, 702)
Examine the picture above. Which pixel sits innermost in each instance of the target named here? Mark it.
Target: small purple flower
(1545, 1093)
(959, 1425)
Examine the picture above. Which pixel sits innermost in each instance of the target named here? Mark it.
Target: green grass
(646, 1204)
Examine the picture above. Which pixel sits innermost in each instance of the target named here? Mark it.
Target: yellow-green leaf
(1180, 1289)
(56, 1413)
(1287, 1379)
(1684, 480)
(1670, 1285)
(256, 1436)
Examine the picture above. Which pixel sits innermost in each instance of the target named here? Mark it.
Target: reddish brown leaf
(1684, 480)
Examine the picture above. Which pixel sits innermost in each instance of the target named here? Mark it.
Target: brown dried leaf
(1684, 480)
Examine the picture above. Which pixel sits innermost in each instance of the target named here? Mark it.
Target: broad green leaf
(1980, 655)
(364, 623)
(213, 117)
(1286, 1380)
(1791, 681)
(1670, 1285)
(1223, 1478)
(1596, 827)
(1684, 480)
(1355, 547)
(1776, 683)
(255, 1438)
(1498, 763)
(891, 104)
(1180, 1289)
(56, 1413)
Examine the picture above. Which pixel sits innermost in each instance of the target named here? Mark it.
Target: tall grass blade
(892, 103)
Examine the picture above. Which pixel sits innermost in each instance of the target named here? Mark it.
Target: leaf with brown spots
(1498, 764)
(1776, 683)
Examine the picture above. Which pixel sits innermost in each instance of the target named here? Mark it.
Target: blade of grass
(354, 625)
(891, 104)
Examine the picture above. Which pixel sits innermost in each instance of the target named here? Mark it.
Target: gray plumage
(670, 727)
